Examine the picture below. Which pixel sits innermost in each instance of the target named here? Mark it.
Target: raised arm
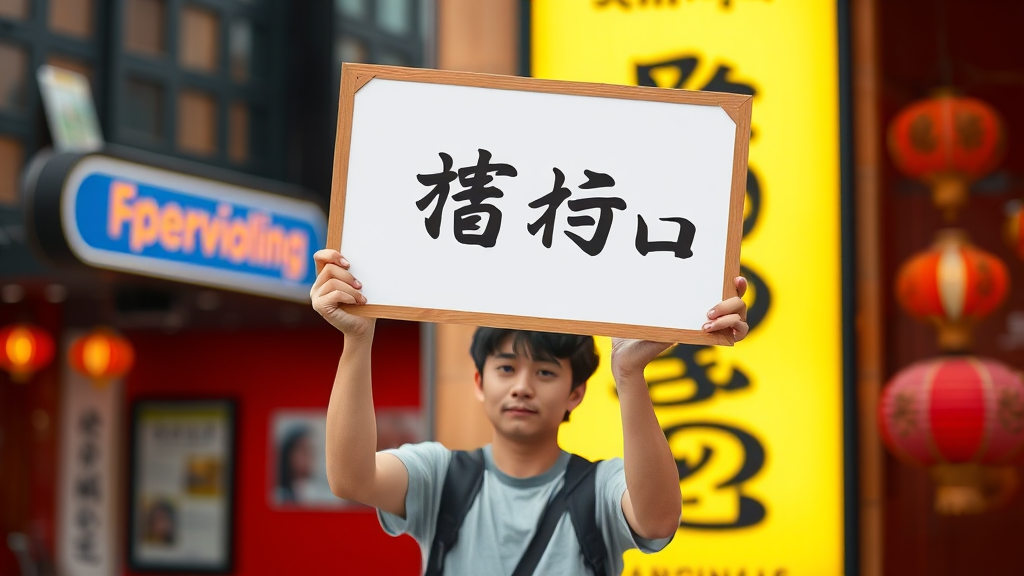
(652, 502)
(354, 469)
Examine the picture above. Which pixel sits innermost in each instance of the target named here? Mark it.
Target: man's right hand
(335, 286)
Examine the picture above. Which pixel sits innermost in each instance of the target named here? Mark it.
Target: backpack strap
(583, 512)
(461, 484)
(579, 474)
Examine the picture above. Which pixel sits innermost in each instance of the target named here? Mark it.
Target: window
(71, 17)
(394, 16)
(13, 75)
(144, 110)
(70, 63)
(14, 9)
(380, 31)
(198, 44)
(197, 115)
(238, 132)
(144, 25)
(12, 156)
(200, 79)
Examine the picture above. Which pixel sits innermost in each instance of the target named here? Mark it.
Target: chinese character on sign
(87, 494)
(476, 180)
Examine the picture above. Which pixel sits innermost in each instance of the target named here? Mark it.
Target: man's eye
(547, 373)
(505, 368)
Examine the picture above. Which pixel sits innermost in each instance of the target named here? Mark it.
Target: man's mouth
(521, 410)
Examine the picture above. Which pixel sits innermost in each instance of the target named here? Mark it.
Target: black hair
(547, 346)
(285, 476)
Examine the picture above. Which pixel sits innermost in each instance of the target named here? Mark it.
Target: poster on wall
(757, 431)
(181, 475)
(298, 469)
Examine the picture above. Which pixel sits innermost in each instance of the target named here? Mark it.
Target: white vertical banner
(87, 527)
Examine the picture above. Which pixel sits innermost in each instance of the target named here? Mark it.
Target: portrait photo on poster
(298, 469)
(618, 208)
(182, 461)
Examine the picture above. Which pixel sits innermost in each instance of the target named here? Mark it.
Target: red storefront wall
(264, 371)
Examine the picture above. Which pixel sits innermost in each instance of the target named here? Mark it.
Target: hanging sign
(136, 218)
(535, 204)
(756, 430)
(88, 530)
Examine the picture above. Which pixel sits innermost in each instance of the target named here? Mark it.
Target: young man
(527, 383)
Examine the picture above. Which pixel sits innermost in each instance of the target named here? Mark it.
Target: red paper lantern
(1015, 228)
(947, 141)
(955, 415)
(953, 284)
(24, 350)
(102, 356)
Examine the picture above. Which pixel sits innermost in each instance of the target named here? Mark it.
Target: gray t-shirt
(504, 516)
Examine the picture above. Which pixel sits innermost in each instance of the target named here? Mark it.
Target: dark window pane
(12, 156)
(199, 40)
(259, 64)
(350, 50)
(197, 122)
(351, 8)
(71, 17)
(144, 108)
(240, 50)
(144, 26)
(238, 132)
(391, 58)
(14, 9)
(13, 67)
(259, 134)
(394, 16)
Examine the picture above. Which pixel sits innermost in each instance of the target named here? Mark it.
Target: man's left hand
(731, 313)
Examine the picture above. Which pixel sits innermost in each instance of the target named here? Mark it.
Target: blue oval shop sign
(135, 218)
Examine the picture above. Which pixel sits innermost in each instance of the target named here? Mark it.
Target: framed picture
(182, 478)
(298, 469)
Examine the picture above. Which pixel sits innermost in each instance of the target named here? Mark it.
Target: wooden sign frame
(738, 107)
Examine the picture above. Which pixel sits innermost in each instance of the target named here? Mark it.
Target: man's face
(526, 398)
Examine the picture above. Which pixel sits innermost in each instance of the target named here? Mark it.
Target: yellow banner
(756, 429)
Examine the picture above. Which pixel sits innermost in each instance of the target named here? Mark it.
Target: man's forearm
(351, 423)
(652, 477)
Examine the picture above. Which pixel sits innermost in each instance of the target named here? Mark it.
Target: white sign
(538, 204)
(88, 494)
(70, 111)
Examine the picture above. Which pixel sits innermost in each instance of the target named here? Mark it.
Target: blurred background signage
(140, 219)
(757, 430)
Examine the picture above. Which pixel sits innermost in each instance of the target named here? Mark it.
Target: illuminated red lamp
(24, 350)
(947, 142)
(952, 284)
(102, 355)
(959, 416)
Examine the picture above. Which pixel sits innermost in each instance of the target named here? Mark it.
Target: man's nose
(523, 387)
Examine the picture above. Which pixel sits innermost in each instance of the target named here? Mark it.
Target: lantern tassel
(949, 194)
(968, 489)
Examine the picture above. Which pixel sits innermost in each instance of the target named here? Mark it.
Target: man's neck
(524, 460)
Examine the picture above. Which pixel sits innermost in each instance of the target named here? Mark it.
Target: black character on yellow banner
(675, 72)
(475, 180)
(552, 200)
(724, 457)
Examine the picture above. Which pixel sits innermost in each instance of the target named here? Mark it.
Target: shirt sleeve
(427, 464)
(610, 485)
